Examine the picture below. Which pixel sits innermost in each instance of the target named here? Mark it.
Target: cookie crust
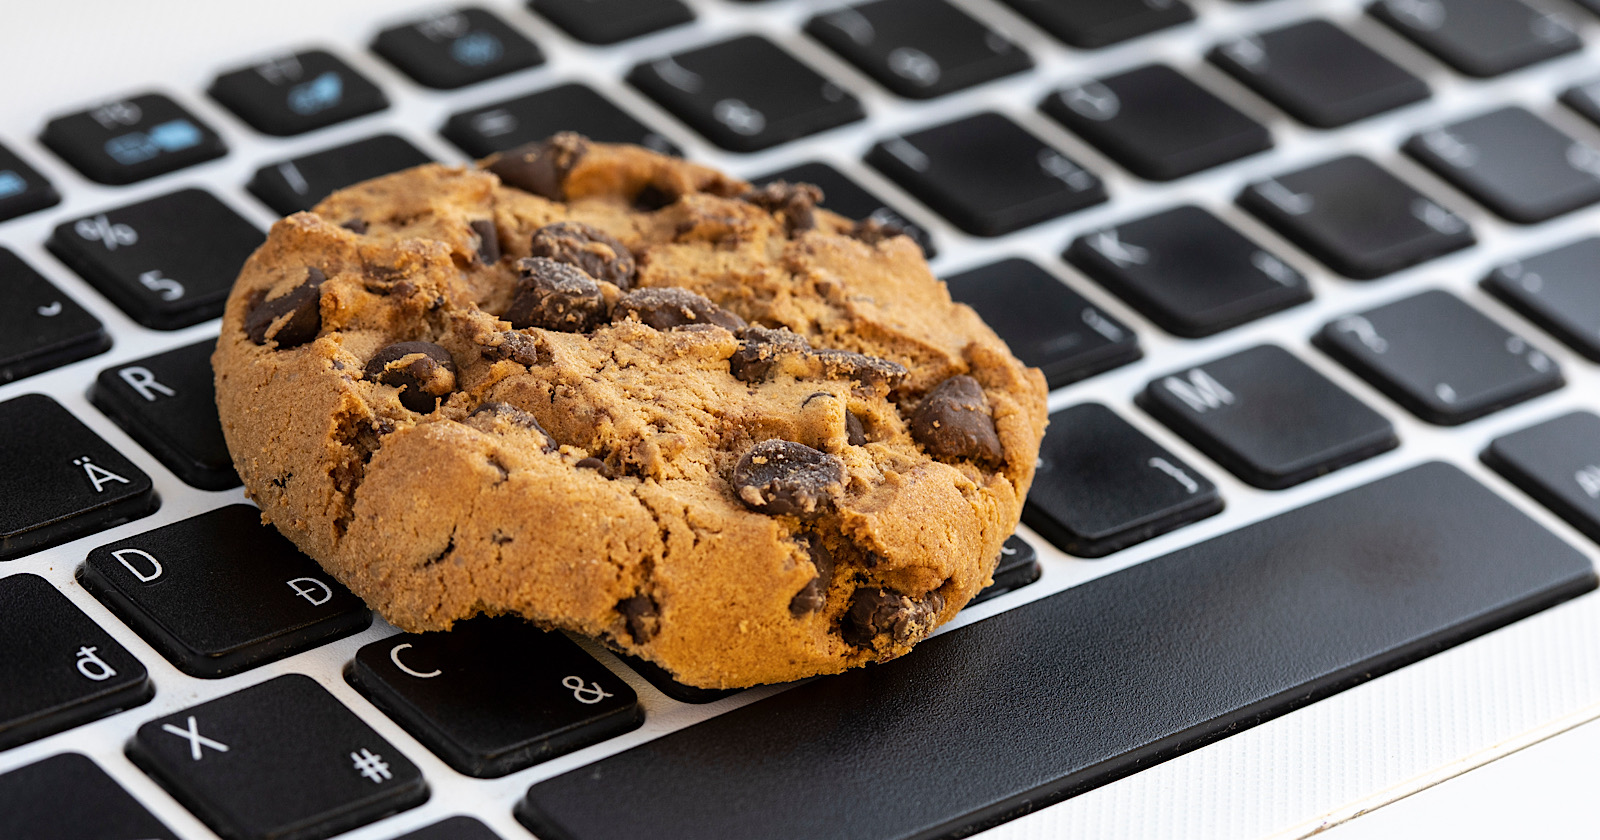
(585, 477)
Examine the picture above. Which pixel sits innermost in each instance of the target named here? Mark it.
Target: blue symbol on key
(476, 49)
(11, 184)
(319, 94)
(132, 148)
(175, 135)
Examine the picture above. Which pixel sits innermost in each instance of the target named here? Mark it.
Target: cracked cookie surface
(624, 395)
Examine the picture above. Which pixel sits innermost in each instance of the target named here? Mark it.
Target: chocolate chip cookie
(625, 395)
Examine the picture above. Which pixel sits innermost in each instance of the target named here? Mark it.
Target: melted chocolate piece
(666, 308)
(488, 241)
(878, 612)
(555, 296)
(423, 371)
(815, 593)
(794, 203)
(541, 168)
(593, 250)
(780, 477)
(642, 617)
(953, 421)
(303, 307)
(855, 434)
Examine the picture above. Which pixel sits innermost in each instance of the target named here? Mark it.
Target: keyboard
(1314, 524)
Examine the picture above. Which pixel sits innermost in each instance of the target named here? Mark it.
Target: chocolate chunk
(665, 308)
(541, 168)
(872, 231)
(815, 593)
(642, 617)
(498, 417)
(782, 477)
(590, 249)
(595, 464)
(422, 370)
(869, 371)
(853, 430)
(794, 203)
(488, 241)
(514, 346)
(291, 319)
(555, 296)
(876, 612)
(953, 421)
(355, 226)
(760, 350)
(653, 198)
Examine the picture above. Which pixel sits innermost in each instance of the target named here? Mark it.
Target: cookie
(624, 395)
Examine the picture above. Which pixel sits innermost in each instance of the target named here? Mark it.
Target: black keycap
(296, 93)
(298, 184)
(168, 262)
(276, 760)
(1102, 485)
(456, 48)
(1268, 417)
(22, 189)
(1157, 123)
(849, 199)
(1097, 23)
(1019, 566)
(41, 328)
(1480, 37)
(1119, 673)
(168, 403)
(483, 131)
(1558, 463)
(60, 668)
(1584, 98)
(493, 696)
(1440, 358)
(455, 828)
(1318, 73)
(1356, 217)
(1046, 323)
(1189, 272)
(68, 797)
(610, 21)
(664, 682)
(918, 48)
(221, 593)
(1558, 290)
(746, 94)
(1516, 164)
(986, 174)
(132, 139)
(60, 480)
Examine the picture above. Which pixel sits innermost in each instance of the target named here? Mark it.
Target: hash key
(986, 174)
(1356, 217)
(296, 93)
(1443, 360)
(168, 403)
(299, 184)
(456, 48)
(22, 188)
(60, 669)
(1047, 324)
(279, 760)
(1558, 463)
(220, 593)
(132, 139)
(31, 798)
(60, 480)
(746, 94)
(495, 695)
(1319, 73)
(1516, 164)
(1268, 417)
(1558, 290)
(168, 262)
(1102, 485)
(1189, 271)
(41, 328)
(1480, 37)
(1157, 123)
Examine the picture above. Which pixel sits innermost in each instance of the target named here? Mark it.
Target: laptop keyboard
(1193, 233)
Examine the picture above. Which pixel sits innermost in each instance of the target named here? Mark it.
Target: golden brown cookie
(624, 395)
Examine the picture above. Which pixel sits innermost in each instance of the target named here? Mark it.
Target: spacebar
(1006, 715)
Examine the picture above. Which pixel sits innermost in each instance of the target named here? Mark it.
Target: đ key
(61, 481)
(1103, 679)
(60, 669)
(221, 593)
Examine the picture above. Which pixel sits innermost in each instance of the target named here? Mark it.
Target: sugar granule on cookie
(621, 394)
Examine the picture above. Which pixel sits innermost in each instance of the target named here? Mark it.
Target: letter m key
(1200, 392)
